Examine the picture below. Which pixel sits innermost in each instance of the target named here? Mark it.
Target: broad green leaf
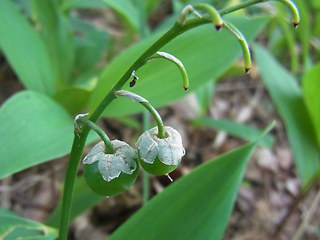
(236, 129)
(123, 7)
(33, 129)
(91, 44)
(14, 227)
(288, 99)
(24, 6)
(24, 50)
(69, 4)
(126, 10)
(311, 89)
(58, 37)
(197, 206)
(84, 199)
(205, 53)
(74, 99)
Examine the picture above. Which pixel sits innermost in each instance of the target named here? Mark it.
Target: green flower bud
(160, 156)
(110, 174)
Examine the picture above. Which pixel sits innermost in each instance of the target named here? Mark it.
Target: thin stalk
(71, 174)
(240, 6)
(137, 98)
(157, 118)
(100, 132)
(80, 138)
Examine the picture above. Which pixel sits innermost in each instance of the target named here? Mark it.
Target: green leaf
(15, 227)
(91, 44)
(288, 99)
(204, 95)
(84, 199)
(123, 7)
(126, 10)
(33, 129)
(236, 129)
(58, 37)
(205, 53)
(311, 89)
(69, 4)
(74, 99)
(24, 50)
(197, 206)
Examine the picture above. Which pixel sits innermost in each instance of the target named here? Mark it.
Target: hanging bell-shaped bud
(110, 174)
(160, 156)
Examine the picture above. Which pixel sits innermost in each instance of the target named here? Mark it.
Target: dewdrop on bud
(110, 174)
(160, 156)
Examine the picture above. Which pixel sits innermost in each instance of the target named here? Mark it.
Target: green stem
(71, 174)
(156, 116)
(80, 139)
(240, 6)
(100, 132)
(137, 98)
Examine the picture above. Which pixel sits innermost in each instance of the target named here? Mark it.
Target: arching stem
(100, 132)
(137, 98)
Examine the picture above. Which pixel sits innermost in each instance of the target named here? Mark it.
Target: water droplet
(168, 176)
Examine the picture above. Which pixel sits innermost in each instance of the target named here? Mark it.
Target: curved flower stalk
(185, 12)
(243, 42)
(136, 98)
(214, 14)
(179, 64)
(294, 11)
(80, 120)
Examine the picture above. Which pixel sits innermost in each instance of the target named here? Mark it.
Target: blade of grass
(236, 129)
